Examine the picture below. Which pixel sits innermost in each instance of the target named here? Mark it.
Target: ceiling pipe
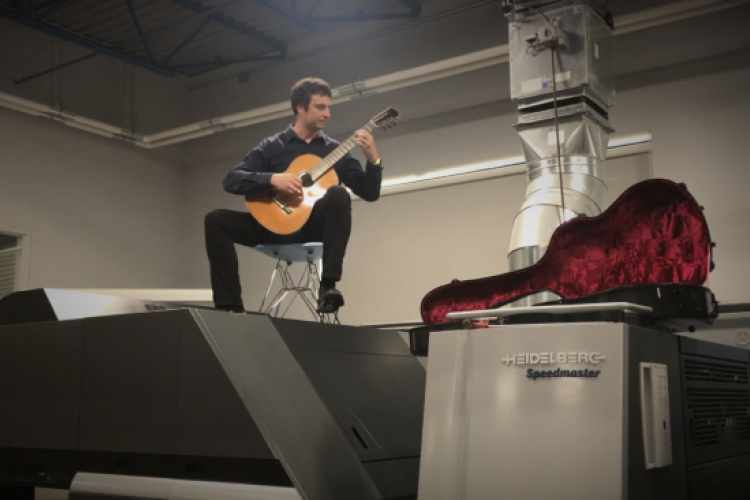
(409, 77)
(441, 69)
(70, 119)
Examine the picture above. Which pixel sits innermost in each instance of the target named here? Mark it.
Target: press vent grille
(701, 370)
(718, 402)
(29, 475)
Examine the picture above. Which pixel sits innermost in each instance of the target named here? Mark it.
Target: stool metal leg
(330, 318)
(307, 288)
(270, 284)
(287, 285)
(303, 291)
(314, 273)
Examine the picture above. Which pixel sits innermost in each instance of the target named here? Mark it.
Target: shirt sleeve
(251, 175)
(365, 183)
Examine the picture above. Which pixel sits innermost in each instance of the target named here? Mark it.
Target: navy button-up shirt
(274, 155)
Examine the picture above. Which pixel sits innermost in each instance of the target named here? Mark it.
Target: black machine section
(662, 483)
(135, 395)
(207, 395)
(676, 307)
(716, 404)
(373, 387)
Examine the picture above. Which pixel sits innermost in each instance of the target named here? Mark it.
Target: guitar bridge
(282, 205)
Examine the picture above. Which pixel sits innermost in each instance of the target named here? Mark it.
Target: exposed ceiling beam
(415, 9)
(385, 83)
(303, 22)
(186, 41)
(137, 23)
(232, 24)
(37, 24)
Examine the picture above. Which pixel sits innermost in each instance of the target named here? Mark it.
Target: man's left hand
(367, 143)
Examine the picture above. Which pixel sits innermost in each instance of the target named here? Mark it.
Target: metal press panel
(200, 395)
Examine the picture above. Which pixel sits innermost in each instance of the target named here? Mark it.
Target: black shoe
(329, 300)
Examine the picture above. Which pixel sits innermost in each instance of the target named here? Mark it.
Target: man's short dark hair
(304, 89)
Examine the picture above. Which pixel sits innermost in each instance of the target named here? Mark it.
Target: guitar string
(334, 156)
(321, 168)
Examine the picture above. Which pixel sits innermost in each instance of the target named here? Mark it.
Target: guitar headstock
(386, 119)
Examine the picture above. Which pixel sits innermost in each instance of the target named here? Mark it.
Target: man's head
(311, 103)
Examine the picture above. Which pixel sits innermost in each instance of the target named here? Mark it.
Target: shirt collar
(289, 135)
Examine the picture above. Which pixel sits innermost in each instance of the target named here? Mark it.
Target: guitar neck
(330, 160)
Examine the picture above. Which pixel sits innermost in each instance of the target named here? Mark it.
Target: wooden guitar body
(653, 241)
(270, 215)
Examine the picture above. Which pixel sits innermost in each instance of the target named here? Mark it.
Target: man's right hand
(287, 184)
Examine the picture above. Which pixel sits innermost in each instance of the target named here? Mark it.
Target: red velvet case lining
(654, 233)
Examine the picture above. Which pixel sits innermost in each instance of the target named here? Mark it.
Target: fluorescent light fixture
(186, 295)
(630, 140)
(453, 172)
(617, 147)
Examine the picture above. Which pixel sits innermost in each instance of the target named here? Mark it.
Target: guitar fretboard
(330, 160)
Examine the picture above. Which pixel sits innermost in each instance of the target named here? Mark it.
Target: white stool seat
(302, 252)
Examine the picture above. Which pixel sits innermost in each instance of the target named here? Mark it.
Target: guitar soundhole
(307, 179)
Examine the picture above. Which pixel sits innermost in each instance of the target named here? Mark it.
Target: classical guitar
(286, 214)
(651, 246)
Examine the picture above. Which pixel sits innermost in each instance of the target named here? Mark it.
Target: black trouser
(330, 223)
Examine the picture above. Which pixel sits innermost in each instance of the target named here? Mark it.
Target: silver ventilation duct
(561, 124)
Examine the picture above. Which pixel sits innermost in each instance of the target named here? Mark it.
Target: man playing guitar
(262, 171)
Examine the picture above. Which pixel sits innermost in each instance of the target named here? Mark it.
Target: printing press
(600, 366)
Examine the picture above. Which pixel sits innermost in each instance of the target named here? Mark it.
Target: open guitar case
(650, 247)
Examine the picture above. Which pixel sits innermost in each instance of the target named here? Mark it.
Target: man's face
(318, 112)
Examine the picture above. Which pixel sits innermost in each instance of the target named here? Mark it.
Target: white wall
(102, 88)
(698, 124)
(693, 107)
(694, 142)
(696, 118)
(427, 41)
(407, 244)
(680, 81)
(101, 214)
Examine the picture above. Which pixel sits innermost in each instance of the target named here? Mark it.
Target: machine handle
(657, 431)
(554, 309)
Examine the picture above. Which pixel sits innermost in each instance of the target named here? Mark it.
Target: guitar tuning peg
(713, 244)
(713, 266)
